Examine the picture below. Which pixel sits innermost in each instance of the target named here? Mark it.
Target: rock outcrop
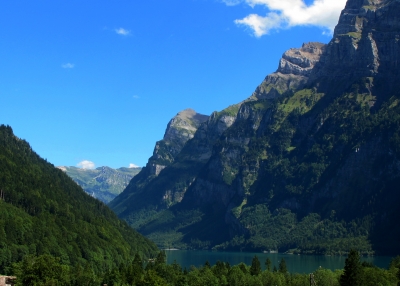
(180, 129)
(154, 189)
(294, 69)
(366, 43)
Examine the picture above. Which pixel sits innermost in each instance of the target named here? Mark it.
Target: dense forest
(44, 212)
(47, 270)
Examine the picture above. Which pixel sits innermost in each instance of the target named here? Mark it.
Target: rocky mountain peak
(295, 67)
(366, 42)
(180, 129)
(301, 61)
(184, 125)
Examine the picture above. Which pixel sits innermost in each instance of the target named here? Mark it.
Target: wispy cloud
(68, 66)
(262, 25)
(136, 96)
(131, 166)
(283, 14)
(85, 164)
(122, 31)
(231, 2)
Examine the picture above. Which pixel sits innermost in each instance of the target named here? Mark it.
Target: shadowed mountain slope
(310, 162)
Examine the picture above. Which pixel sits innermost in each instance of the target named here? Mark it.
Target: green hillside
(43, 211)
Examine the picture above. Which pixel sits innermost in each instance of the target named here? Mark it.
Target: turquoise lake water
(295, 263)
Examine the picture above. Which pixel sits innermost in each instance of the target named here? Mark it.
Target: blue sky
(99, 80)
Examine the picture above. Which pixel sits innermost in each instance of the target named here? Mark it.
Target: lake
(295, 263)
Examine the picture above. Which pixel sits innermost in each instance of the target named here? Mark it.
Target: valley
(296, 184)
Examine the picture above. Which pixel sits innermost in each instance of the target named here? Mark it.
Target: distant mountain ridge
(103, 183)
(309, 163)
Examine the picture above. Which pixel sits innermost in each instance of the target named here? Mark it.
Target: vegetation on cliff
(311, 168)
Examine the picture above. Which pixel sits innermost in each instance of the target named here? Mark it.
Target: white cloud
(289, 13)
(262, 25)
(133, 166)
(122, 31)
(86, 164)
(68, 66)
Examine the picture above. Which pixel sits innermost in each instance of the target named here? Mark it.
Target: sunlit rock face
(293, 71)
(366, 42)
(180, 129)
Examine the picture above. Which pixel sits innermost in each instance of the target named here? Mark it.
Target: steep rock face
(366, 43)
(180, 129)
(294, 69)
(178, 161)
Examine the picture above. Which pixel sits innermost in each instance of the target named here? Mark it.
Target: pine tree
(255, 268)
(352, 270)
(282, 266)
(161, 258)
(268, 264)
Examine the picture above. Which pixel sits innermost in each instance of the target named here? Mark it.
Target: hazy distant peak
(62, 168)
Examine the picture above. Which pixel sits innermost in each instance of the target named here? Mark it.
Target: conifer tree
(255, 268)
(352, 270)
(268, 264)
(282, 266)
(161, 258)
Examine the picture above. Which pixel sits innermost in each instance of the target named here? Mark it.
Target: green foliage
(44, 212)
(268, 263)
(282, 267)
(42, 270)
(255, 268)
(47, 270)
(232, 110)
(352, 270)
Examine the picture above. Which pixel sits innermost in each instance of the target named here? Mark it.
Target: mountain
(43, 211)
(162, 173)
(309, 163)
(102, 183)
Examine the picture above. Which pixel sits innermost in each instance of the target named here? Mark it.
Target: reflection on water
(295, 263)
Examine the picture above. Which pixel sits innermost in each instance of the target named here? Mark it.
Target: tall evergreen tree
(352, 270)
(268, 264)
(282, 266)
(255, 268)
(161, 258)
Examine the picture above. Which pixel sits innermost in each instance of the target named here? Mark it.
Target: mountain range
(103, 183)
(309, 163)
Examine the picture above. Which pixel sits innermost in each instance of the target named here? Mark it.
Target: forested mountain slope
(43, 211)
(310, 162)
